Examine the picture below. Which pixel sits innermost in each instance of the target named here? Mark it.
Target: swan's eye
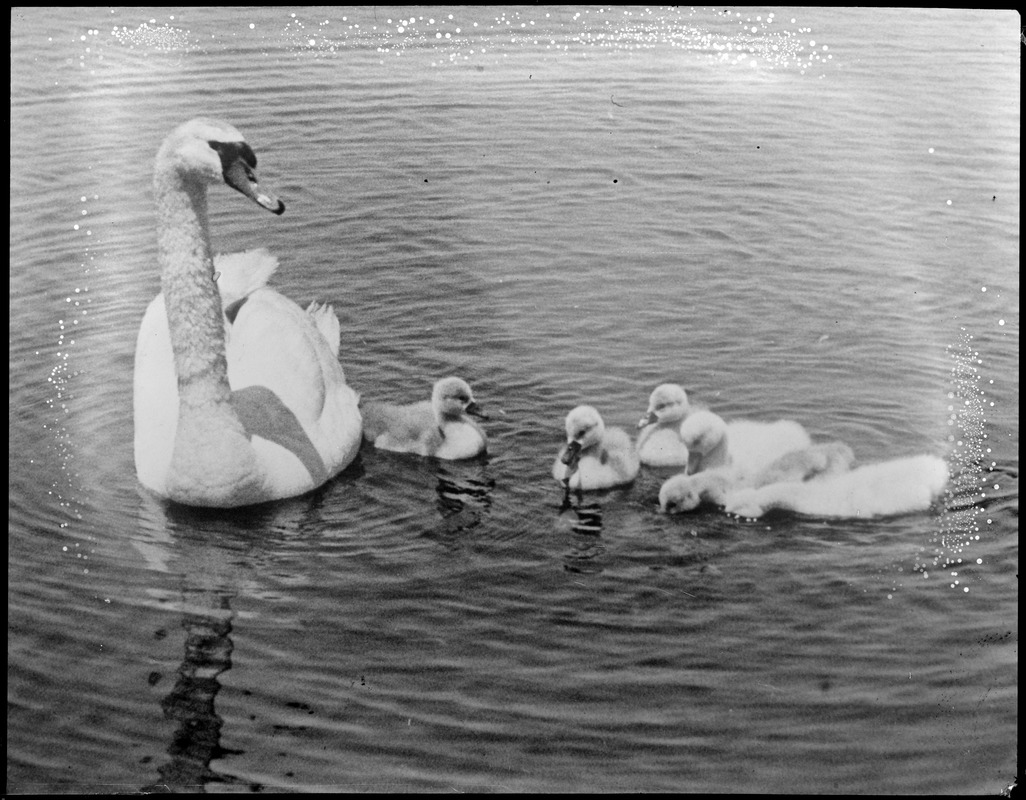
(229, 151)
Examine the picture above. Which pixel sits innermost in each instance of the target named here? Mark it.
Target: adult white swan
(239, 396)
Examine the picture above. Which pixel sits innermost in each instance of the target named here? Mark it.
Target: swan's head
(452, 398)
(667, 404)
(584, 428)
(208, 151)
(680, 493)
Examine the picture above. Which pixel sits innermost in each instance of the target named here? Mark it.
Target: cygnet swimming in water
(594, 457)
(899, 486)
(744, 446)
(440, 427)
(817, 460)
(686, 492)
(659, 442)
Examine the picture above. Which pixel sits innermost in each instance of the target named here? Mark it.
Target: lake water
(808, 214)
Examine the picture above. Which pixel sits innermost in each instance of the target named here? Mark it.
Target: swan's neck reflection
(196, 741)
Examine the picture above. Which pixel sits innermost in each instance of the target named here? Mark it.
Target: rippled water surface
(807, 214)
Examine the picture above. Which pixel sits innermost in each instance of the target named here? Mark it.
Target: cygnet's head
(679, 494)
(452, 398)
(703, 431)
(584, 428)
(668, 403)
(839, 456)
(210, 151)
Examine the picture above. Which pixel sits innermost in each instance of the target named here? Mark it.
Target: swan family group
(239, 397)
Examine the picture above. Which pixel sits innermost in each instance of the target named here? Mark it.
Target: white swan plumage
(239, 397)
(889, 488)
(659, 439)
(594, 457)
(440, 427)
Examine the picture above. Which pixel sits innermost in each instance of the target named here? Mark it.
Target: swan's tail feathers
(327, 323)
(240, 274)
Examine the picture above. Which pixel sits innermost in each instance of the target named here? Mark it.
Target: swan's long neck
(195, 317)
(213, 463)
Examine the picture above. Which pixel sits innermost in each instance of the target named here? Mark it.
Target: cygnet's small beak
(694, 462)
(572, 455)
(648, 419)
(475, 410)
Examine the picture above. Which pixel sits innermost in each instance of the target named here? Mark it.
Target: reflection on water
(464, 498)
(585, 547)
(197, 737)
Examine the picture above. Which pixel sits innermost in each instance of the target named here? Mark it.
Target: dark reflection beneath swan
(210, 551)
(197, 739)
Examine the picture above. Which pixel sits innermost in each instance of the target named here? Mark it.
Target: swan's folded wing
(274, 343)
(263, 414)
(326, 320)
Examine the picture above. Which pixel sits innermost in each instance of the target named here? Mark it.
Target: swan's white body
(440, 427)
(900, 486)
(595, 457)
(744, 446)
(239, 395)
(659, 441)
